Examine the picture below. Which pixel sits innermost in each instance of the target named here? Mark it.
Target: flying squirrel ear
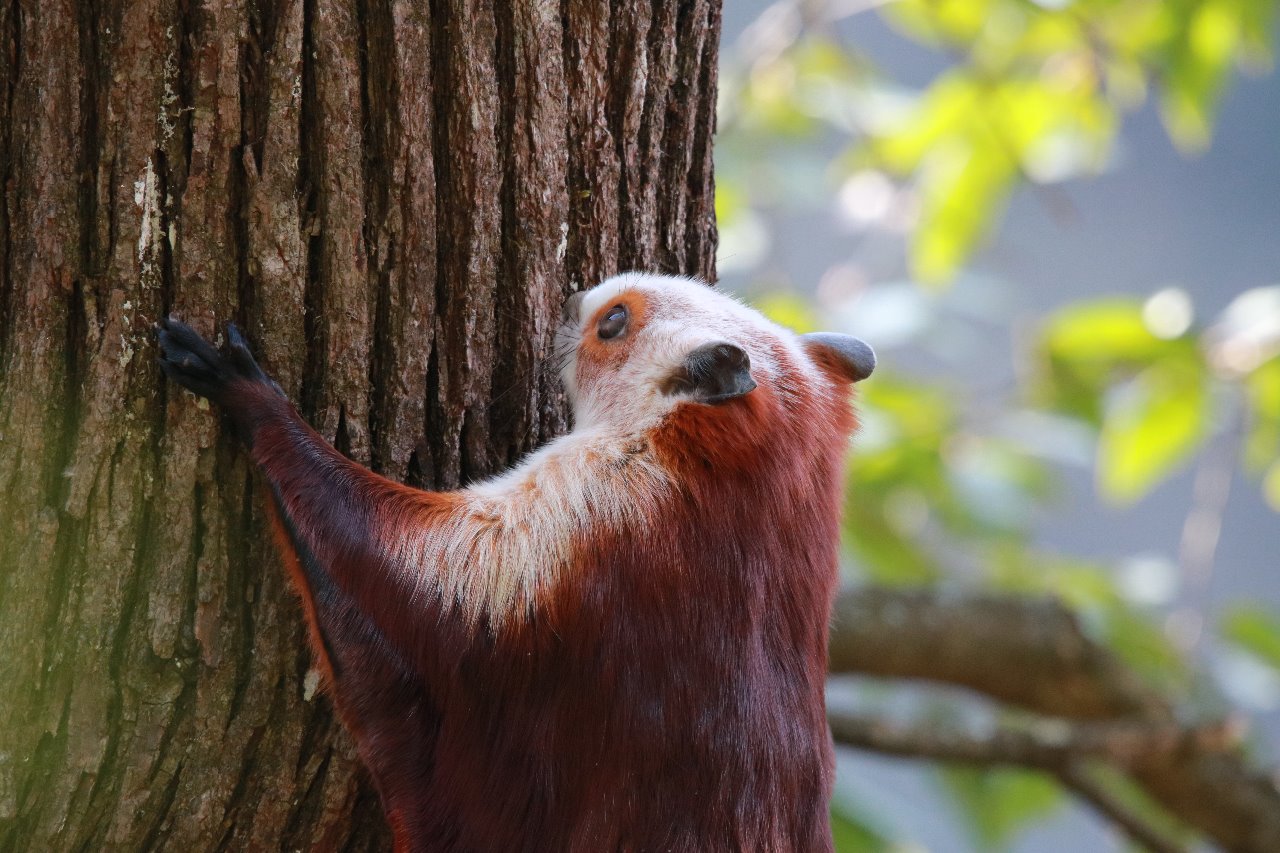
(843, 355)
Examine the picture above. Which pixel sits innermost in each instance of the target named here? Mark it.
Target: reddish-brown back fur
(678, 674)
(662, 689)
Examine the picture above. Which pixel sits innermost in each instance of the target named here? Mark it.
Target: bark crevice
(309, 170)
(506, 307)
(10, 37)
(379, 97)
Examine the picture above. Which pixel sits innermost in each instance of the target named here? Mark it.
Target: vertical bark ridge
(10, 50)
(309, 170)
(403, 240)
(592, 252)
(275, 157)
(701, 236)
(440, 450)
(90, 147)
(208, 261)
(378, 117)
(695, 25)
(631, 119)
(530, 278)
(466, 106)
(345, 308)
(44, 254)
(393, 198)
(505, 305)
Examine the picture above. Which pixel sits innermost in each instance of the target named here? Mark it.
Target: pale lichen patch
(310, 683)
(563, 247)
(167, 122)
(146, 195)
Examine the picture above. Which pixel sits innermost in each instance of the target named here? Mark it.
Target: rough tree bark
(392, 198)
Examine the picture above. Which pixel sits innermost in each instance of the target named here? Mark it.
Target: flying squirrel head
(638, 347)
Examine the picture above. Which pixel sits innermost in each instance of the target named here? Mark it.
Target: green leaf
(941, 114)
(769, 104)
(730, 202)
(1143, 646)
(854, 834)
(789, 309)
(1101, 332)
(998, 803)
(964, 184)
(942, 21)
(886, 553)
(1271, 486)
(1257, 20)
(1254, 629)
(1151, 428)
(1082, 585)
(921, 414)
(1198, 69)
(1262, 445)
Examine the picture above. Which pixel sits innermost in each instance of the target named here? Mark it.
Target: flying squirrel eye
(613, 323)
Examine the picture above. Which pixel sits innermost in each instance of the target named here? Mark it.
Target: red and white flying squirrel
(620, 644)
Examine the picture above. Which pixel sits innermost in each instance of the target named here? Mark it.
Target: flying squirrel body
(620, 644)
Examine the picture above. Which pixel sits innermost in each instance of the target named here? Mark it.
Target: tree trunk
(392, 199)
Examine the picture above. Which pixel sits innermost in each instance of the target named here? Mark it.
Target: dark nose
(719, 372)
(572, 309)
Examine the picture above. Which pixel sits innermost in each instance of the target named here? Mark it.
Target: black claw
(192, 362)
(176, 336)
(241, 356)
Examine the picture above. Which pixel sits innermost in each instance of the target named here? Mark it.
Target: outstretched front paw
(193, 363)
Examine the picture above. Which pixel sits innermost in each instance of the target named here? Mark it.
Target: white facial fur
(511, 542)
(683, 315)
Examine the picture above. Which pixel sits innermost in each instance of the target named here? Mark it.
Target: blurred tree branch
(1085, 785)
(1050, 745)
(1058, 750)
(1032, 654)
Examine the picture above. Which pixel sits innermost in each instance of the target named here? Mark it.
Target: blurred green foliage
(1256, 630)
(1039, 90)
(853, 833)
(942, 489)
(1159, 412)
(1125, 792)
(998, 803)
(1036, 92)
